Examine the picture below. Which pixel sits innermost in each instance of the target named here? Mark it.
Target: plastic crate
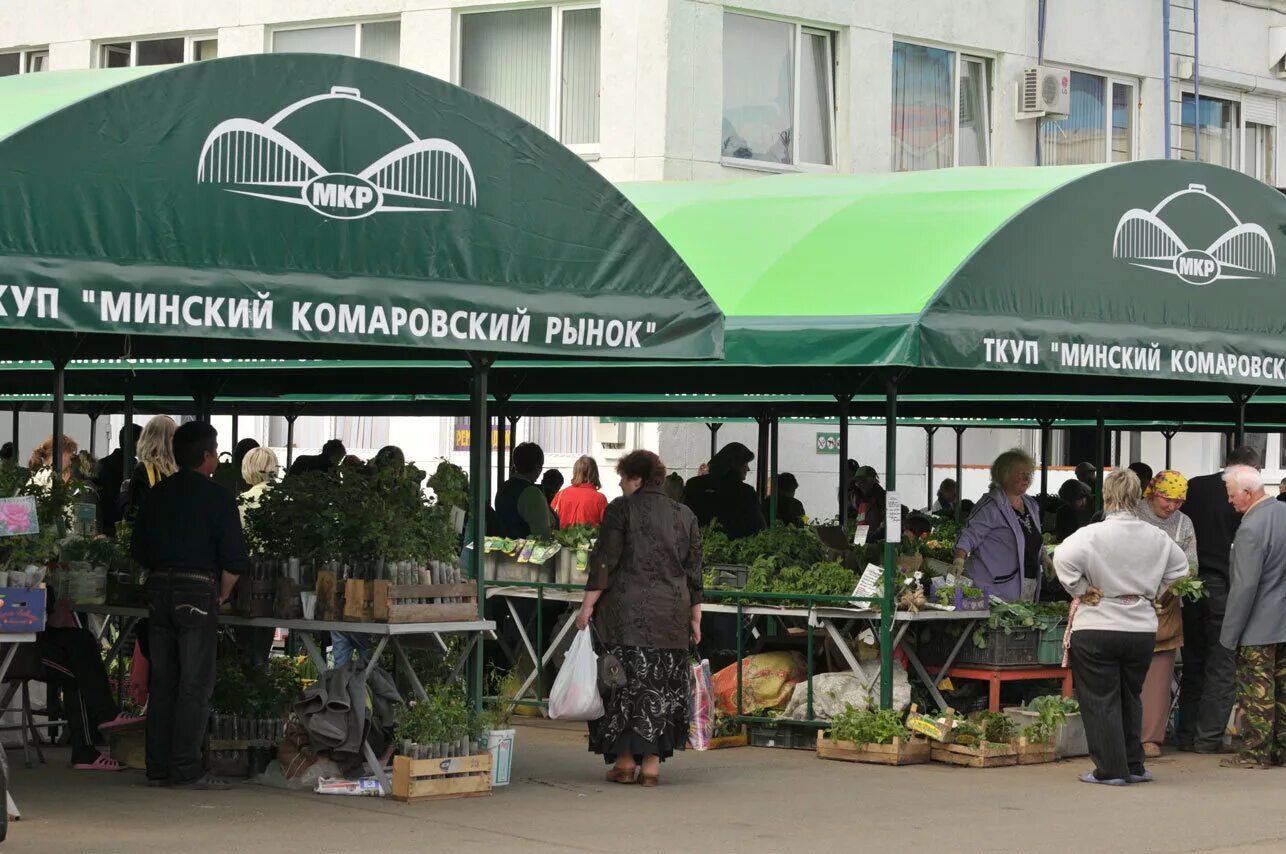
(1002, 650)
(730, 575)
(783, 735)
(1050, 650)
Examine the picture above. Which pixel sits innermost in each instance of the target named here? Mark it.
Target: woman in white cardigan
(1116, 569)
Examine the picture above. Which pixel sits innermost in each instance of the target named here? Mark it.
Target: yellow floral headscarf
(1168, 484)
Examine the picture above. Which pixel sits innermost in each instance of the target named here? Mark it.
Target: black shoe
(1210, 750)
(205, 783)
(158, 782)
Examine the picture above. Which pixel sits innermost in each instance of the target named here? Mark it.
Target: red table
(996, 675)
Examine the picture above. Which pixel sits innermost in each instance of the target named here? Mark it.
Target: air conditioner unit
(1277, 51)
(610, 435)
(1045, 92)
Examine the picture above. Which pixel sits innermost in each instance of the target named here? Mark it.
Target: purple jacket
(994, 541)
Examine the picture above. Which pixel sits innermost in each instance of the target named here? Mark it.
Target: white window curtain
(1218, 130)
(1261, 152)
(505, 57)
(382, 41)
(923, 120)
(816, 98)
(975, 114)
(580, 76)
(341, 40)
(1082, 136)
(758, 88)
(1122, 122)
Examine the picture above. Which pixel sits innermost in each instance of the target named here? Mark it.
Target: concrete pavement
(751, 799)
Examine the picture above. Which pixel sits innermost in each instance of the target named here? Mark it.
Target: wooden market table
(996, 676)
(389, 634)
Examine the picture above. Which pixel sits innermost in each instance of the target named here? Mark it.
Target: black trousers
(1108, 669)
(72, 660)
(182, 641)
(1207, 687)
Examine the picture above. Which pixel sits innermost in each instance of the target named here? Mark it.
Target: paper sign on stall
(869, 584)
(860, 535)
(893, 512)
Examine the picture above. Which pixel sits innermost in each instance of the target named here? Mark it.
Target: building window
(1218, 136)
(377, 40)
(542, 64)
(1261, 152)
(24, 62)
(1098, 105)
(941, 108)
(167, 51)
(778, 92)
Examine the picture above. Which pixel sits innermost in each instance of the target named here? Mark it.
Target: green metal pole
(772, 475)
(844, 481)
(1100, 439)
(761, 460)
(959, 471)
(740, 655)
(809, 628)
(540, 644)
(479, 463)
(1044, 456)
(929, 496)
(890, 552)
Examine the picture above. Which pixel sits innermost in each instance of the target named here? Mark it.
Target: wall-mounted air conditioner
(1045, 91)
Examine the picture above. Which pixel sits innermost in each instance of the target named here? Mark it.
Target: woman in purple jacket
(1002, 539)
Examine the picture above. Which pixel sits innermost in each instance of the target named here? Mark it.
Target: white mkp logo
(1144, 239)
(253, 158)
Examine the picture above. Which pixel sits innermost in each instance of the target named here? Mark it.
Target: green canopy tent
(287, 206)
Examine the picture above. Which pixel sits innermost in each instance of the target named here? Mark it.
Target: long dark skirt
(650, 714)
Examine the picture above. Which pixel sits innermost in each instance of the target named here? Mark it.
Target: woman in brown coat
(1162, 498)
(643, 595)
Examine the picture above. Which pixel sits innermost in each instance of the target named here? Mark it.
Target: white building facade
(703, 89)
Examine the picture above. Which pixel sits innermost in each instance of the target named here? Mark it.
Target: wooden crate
(327, 608)
(417, 780)
(402, 607)
(913, 751)
(129, 746)
(1034, 752)
(985, 755)
(361, 598)
(722, 742)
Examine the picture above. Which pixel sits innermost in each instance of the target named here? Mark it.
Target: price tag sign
(893, 511)
(860, 535)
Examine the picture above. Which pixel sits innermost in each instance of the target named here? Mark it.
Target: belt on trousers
(179, 576)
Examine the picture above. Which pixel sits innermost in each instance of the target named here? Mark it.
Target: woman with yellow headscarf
(1162, 498)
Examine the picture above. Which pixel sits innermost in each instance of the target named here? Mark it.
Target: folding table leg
(399, 656)
(993, 695)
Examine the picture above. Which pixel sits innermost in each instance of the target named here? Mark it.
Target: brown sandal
(650, 781)
(622, 775)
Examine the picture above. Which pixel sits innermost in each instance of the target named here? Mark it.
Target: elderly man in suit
(1255, 620)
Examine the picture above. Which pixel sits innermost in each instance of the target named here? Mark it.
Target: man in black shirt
(1207, 688)
(188, 536)
(332, 454)
(723, 496)
(111, 474)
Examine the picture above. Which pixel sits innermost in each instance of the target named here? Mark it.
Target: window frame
(554, 118)
(25, 56)
(1238, 125)
(959, 53)
(103, 46)
(358, 25)
(1250, 159)
(832, 45)
(1110, 82)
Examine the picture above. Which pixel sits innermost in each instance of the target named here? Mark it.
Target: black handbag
(611, 673)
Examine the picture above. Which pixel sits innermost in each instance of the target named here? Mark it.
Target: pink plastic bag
(700, 706)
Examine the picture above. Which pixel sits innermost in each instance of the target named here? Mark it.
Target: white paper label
(860, 535)
(893, 505)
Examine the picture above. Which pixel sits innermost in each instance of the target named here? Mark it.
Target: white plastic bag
(575, 695)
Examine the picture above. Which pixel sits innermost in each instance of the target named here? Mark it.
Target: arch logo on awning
(253, 158)
(1145, 239)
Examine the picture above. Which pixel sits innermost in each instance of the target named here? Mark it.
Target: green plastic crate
(1050, 650)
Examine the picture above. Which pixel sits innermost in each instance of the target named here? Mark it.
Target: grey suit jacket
(1256, 611)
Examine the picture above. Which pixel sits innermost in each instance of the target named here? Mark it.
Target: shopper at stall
(69, 658)
(1206, 685)
(643, 595)
(1162, 498)
(42, 461)
(155, 458)
(674, 486)
(551, 482)
(1281, 490)
(581, 503)
(110, 477)
(1255, 620)
(948, 495)
(188, 536)
(8, 455)
(723, 496)
(1116, 570)
(1001, 547)
(870, 503)
(790, 510)
(332, 454)
(521, 507)
(229, 473)
(1143, 471)
(259, 470)
(1074, 508)
(1087, 473)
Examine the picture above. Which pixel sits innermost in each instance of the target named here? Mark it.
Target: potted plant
(496, 734)
(878, 736)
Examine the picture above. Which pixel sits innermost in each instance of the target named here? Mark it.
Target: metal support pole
(890, 545)
(290, 440)
(761, 467)
(1165, 74)
(1240, 399)
(479, 456)
(1168, 434)
(60, 405)
(773, 471)
(203, 402)
(17, 415)
(714, 437)
(1116, 447)
(93, 435)
(929, 431)
(1045, 442)
(127, 445)
(1100, 460)
(844, 473)
(236, 429)
(1196, 80)
(959, 471)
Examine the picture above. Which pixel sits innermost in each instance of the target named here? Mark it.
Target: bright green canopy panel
(285, 204)
(1153, 269)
